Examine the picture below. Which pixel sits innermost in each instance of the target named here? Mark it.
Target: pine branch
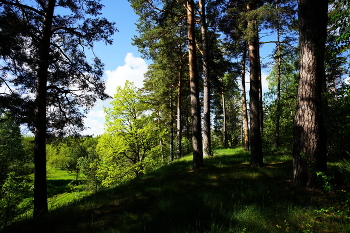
(17, 4)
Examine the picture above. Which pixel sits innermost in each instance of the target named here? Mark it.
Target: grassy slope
(225, 196)
(62, 188)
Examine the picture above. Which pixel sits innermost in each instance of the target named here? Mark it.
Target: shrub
(14, 199)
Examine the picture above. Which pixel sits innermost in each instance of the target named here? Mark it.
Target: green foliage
(337, 122)
(62, 156)
(73, 83)
(283, 110)
(339, 23)
(52, 157)
(77, 156)
(344, 168)
(186, 145)
(28, 147)
(14, 199)
(228, 92)
(130, 145)
(12, 155)
(325, 181)
(88, 165)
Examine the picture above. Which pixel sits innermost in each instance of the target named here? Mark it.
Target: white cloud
(95, 126)
(133, 70)
(98, 113)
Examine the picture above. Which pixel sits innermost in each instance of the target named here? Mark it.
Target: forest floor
(227, 195)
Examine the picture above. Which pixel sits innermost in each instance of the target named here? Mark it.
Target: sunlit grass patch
(277, 158)
(63, 188)
(59, 174)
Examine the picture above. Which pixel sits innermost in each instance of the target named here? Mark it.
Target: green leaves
(11, 149)
(130, 144)
(73, 83)
(13, 200)
(339, 28)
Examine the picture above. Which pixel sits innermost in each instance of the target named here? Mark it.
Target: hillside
(225, 196)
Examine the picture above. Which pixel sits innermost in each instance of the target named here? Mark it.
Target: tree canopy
(45, 66)
(130, 145)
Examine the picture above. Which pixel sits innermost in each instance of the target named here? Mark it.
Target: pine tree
(206, 83)
(159, 22)
(256, 158)
(309, 148)
(49, 64)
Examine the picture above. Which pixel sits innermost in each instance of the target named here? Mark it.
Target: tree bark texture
(309, 147)
(195, 104)
(40, 186)
(244, 101)
(256, 158)
(206, 84)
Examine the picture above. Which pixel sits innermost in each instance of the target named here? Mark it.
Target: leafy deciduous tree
(131, 142)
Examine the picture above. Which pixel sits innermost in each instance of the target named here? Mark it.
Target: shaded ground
(225, 196)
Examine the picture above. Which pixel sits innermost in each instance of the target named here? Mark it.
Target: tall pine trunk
(256, 158)
(206, 84)
(224, 124)
(40, 186)
(244, 102)
(309, 147)
(261, 110)
(178, 115)
(195, 104)
(171, 126)
(278, 98)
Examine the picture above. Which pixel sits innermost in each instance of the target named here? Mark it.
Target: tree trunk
(40, 187)
(206, 85)
(160, 139)
(195, 105)
(178, 117)
(171, 126)
(244, 102)
(309, 147)
(224, 130)
(256, 158)
(261, 110)
(278, 98)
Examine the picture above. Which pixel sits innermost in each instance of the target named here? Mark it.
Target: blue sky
(120, 12)
(123, 61)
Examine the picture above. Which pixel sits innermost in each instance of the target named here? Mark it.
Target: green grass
(63, 188)
(227, 195)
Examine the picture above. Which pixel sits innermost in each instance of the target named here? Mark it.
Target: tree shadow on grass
(225, 196)
(55, 187)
